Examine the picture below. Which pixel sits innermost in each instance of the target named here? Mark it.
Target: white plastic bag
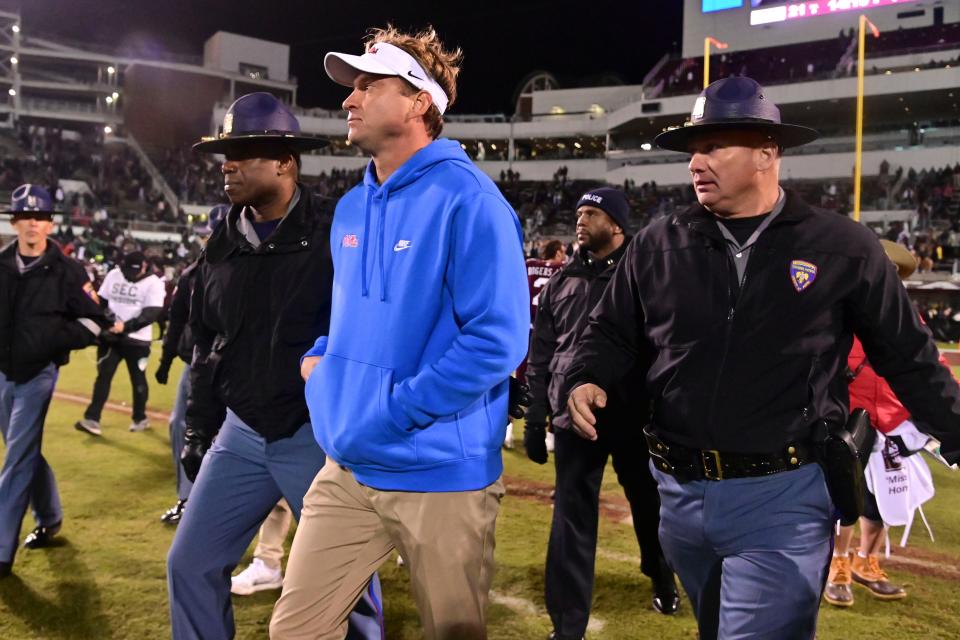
(901, 484)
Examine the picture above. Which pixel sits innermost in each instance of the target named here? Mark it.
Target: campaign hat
(258, 117)
(31, 201)
(735, 103)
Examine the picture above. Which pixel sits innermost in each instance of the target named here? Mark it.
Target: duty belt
(688, 464)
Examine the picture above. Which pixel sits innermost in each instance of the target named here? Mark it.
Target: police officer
(49, 308)
(741, 310)
(565, 302)
(178, 342)
(260, 299)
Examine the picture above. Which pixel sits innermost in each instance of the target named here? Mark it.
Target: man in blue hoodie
(429, 318)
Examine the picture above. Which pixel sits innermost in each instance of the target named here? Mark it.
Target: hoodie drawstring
(382, 220)
(364, 287)
(380, 234)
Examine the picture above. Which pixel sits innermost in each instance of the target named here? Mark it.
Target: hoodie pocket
(349, 411)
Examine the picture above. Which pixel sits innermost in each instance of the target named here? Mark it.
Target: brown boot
(839, 592)
(867, 571)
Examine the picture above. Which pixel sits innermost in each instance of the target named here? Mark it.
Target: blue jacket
(430, 316)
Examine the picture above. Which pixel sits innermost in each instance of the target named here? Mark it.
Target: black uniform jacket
(178, 340)
(750, 366)
(39, 311)
(564, 306)
(254, 313)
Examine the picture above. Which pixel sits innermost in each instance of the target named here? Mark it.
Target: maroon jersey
(538, 272)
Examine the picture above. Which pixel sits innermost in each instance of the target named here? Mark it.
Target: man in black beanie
(135, 296)
(565, 302)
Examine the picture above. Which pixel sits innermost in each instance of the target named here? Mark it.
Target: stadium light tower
(706, 56)
(858, 153)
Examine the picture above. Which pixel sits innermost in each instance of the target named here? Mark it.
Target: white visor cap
(386, 60)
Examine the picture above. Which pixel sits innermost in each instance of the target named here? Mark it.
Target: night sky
(502, 41)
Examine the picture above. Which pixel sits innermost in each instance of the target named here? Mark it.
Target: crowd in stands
(943, 320)
(547, 208)
(105, 175)
(194, 177)
(803, 61)
(120, 190)
(197, 178)
(931, 192)
(102, 244)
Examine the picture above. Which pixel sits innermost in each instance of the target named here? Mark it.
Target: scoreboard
(814, 8)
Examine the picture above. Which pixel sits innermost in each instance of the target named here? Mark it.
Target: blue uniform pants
(26, 478)
(178, 424)
(752, 553)
(242, 477)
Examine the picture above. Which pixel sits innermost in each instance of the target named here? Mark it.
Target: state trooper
(741, 310)
(49, 308)
(261, 298)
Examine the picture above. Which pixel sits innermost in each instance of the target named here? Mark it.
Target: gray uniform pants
(178, 423)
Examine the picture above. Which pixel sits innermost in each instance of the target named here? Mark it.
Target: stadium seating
(799, 62)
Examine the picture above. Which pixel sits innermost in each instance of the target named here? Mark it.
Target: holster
(840, 450)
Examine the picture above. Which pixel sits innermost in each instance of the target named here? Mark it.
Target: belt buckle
(706, 458)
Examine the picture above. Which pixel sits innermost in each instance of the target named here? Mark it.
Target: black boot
(174, 513)
(41, 536)
(666, 598)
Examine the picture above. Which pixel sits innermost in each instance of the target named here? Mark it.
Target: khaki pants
(347, 531)
(273, 533)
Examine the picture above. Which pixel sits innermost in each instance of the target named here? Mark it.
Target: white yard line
(528, 608)
(926, 564)
(162, 416)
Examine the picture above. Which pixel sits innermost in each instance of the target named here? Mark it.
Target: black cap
(133, 261)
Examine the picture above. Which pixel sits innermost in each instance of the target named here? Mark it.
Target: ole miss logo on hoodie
(350, 241)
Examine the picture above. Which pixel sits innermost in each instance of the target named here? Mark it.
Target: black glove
(195, 447)
(163, 371)
(534, 441)
(519, 398)
(109, 339)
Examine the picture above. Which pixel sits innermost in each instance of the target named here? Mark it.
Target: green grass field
(106, 578)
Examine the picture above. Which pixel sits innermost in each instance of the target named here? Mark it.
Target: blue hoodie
(430, 316)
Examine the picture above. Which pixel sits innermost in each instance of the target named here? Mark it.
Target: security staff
(261, 298)
(134, 294)
(47, 308)
(742, 309)
(565, 302)
(178, 342)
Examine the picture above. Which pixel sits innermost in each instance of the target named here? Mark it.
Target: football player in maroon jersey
(539, 270)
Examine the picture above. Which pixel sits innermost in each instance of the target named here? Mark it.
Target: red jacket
(871, 392)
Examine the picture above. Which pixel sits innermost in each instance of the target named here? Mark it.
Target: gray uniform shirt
(741, 252)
